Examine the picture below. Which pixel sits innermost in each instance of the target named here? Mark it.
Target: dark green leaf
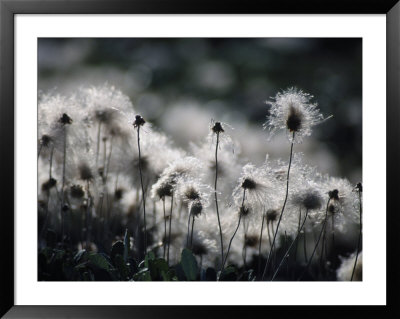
(99, 261)
(189, 264)
(229, 274)
(122, 268)
(149, 256)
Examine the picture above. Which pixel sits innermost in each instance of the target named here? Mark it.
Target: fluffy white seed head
(292, 111)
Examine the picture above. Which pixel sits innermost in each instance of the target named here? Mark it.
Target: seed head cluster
(100, 196)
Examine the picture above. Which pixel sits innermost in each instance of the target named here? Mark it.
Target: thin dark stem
(244, 244)
(188, 231)
(234, 234)
(216, 200)
(290, 247)
(305, 245)
(319, 238)
(359, 238)
(298, 231)
(324, 247)
(333, 235)
(230, 242)
(287, 256)
(165, 228)
(191, 236)
(269, 236)
(109, 159)
(143, 193)
(98, 143)
(88, 221)
(104, 155)
(259, 245)
(169, 231)
(63, 184)
(283, 208)
(51, 162)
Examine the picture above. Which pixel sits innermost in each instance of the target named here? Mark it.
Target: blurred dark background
(179, 84)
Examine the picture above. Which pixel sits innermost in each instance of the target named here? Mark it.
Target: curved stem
(107, 168)
(188, 231)
(297, 241)
(98, 143)
(143, 197)
(234, 234)
(169, 231)
(63, 184)
(191, 236)
(333, 236)
(269, 236)
(259, 245)
(216, 200)
(319, 238)
(244, 244)
(323, 247)
(283, 208)
(359, 238)
(165, 228)
(290, 247)
(51, 162)
(305, 246)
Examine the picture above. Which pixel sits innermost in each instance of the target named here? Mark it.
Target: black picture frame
(8, 10)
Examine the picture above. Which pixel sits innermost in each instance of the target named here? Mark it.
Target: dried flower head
(272, 215)
(251, 240)
(46, 186)
(292, 111)
(258, 187)
(139, 121)
(65, 119)
(196, 208)
(85, 172)
(45, 140)
(310, 199)
(224, 139)
(217, 128)
(76, 191)
(244, 211)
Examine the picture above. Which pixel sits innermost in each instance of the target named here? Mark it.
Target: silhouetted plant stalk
(359, 190)
(217, 129)
(283, 208)
(165, 228)
(318, 240)
(290, 247)
(237, 227)
(298, 230)
(188, 230)
(139, 122)
(191, 236)
(64, 121)
(259, 244)
(88, 227)
(98, 142)
(170, 220)
(244, 244)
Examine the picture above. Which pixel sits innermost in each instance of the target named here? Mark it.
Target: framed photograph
(164, 158)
